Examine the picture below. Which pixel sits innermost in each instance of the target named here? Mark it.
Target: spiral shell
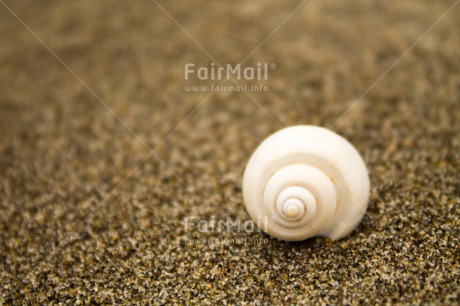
(306, 181)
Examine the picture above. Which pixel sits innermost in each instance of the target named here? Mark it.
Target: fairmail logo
(228, 72)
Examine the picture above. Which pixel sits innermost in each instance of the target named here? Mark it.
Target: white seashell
(306, 181)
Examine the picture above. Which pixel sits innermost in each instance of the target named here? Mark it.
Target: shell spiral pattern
(306, 181)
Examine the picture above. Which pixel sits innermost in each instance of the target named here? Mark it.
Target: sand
(98, 170)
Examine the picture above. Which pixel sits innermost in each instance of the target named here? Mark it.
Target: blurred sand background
(74, 228)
